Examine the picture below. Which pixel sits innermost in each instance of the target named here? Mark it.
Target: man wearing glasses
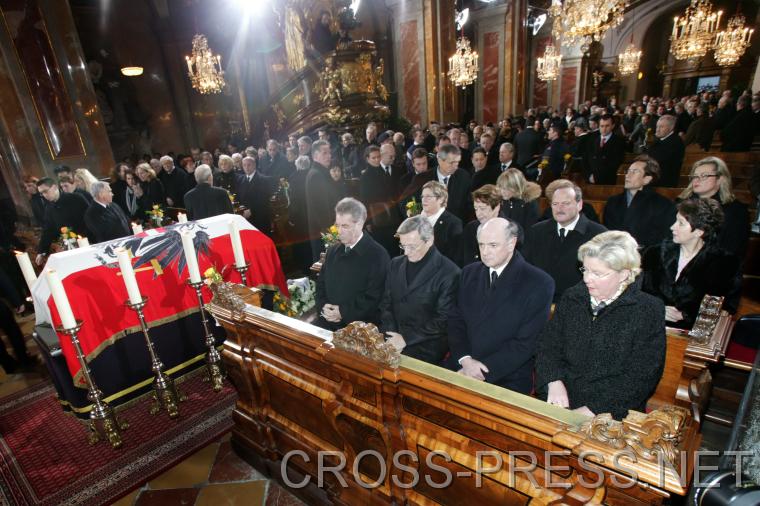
(419, 293)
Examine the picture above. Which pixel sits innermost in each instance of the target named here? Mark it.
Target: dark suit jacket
(297, 209)
(320, 204)
(153, 193)
(448, 232)
(460, 200)
(669, 154)
(580, 149)
(419, 311)
(204, 201)
(648, 219)
(67, 211)
(490, 174)
(106, 224)
(528, 145)
(176, 185)
(604, 162)
(739, 133)
(256, 196)
(555, 153)
(559, 259)
(229, 181)
(379, 192)
(354, 281)
(499, 326)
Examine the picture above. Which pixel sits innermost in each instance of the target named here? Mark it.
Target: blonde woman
(83, 179)
(710, 179)
(603, 351)
(520, 199)
(152, 188)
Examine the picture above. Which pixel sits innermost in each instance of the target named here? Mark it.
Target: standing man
(352, 279)
(606, 153)
(176, 182)
(255, 192)
(552, 245)
(668, 150)
(457, 182)
(503, 304)
(420, 292)
(321, 195)
(555, 152)
(62, 210)
(104, 219)
(206, 200)
(528, 143)
(379, 192)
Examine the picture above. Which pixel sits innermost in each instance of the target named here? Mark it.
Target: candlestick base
(242, 270)
(165, 393)
(103, 422)
(214, 370)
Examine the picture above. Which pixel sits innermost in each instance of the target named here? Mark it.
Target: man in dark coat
(275, 164)
(668, 151)
(639, 210)
(379, 184)
(555, 152)
(419, 293)
(321, 195)
(352, 279)
(205, 200)
(411, 183)
(457, 182)
(176, 182)
(606, 153)
(255, 193)
(62, 210)
(490, 174)
(739, 133)
(552, 245)
(503, 304)
(528, 144)
(105, 220)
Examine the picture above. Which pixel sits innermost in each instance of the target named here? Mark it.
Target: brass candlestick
(214, 372)
(165, 394)
(242, 270)
(103, 422)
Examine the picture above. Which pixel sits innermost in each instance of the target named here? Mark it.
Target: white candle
(82, 241)
(237, 246)
(190, 258)
(61, 301)
(26, 268)
(136, 229)
(125, 264)
(181, 218)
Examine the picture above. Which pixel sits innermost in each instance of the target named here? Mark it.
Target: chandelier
(693, 33)
(628, 60)
(731, 43)
(585, 21)
(205, 69)
(463, 64)
(548, 65)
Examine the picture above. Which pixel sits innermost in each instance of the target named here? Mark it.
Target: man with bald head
(668, 151)
(503, 304)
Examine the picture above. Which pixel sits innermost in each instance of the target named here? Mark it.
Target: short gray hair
(166, 158)
(304, 140)
(98, 187)
(668, 119)
(615, 248)
(353, 208)
(444, 152)
(511, 229)
(418, 223)
(302, 162)
(224, 159)
(202, 173)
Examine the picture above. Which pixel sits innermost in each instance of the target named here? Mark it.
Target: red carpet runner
(45, 458)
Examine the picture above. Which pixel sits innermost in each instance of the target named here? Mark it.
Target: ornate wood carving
(226, 296)
(367, 341)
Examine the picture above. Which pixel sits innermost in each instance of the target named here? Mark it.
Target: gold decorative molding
(367, 341)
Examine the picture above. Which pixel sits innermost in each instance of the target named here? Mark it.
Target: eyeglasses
(428, 197)
(592, 274)
(702, 177)
(410, 248)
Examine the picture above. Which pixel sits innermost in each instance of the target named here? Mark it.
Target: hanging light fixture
(693, 33)
(585, 21)
(463, 64)
(548, 66)
(132, 71)
(204, 68)
(628, 60)
(731, 43)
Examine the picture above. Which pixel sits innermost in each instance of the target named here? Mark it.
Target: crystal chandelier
(693, 33)
(205, 69)
(463, 64)
(731, 43)
(548, 65)
(628, 60)
(585, 21)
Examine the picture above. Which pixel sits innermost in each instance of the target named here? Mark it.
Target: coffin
(397, 430)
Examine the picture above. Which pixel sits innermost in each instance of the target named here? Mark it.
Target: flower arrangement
(68, 238)
(567, 157)
(302, 298)
(232, 197)
(212, 276)
(330, 237)
(156, 215)
(413, 208)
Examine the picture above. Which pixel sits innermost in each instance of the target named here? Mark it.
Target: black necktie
(446, 181)
(348, 250)
(562, 235)
(503, 167)
(494, 277)
(387, 171)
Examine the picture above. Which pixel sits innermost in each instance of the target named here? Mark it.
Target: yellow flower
(72, 235)
(333, 229)
(209, 272)
(568, 156)
(155, 206)
(409, 204)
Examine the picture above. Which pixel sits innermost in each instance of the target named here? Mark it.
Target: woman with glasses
(603, 351)
(710, 179)
(447, 228)
(683, 270)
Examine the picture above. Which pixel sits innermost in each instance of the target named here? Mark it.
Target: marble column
(411, 50)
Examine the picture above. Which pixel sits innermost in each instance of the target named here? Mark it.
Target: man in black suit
(606, 153)
(552, 244)
(206, 200)
(668, 151)
(555, 151)
(639, 210)
(457, 182)
(379, 184)
(352, 279)
(176, 182)
(410, 184)
(321, 195)
(739, 133)
(105, 219)
(255, 192)
(528, 144)
(503, 304)
(62, 210)
(419, 293)
(490, 174)
(488, 143)
(275, 164)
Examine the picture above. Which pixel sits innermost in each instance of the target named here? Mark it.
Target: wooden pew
(303, 391)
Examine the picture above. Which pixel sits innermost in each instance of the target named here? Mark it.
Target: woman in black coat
(603, 351)
(487, 203)
(520, 200)
(682, 271)
(153, 189)
(447, 228)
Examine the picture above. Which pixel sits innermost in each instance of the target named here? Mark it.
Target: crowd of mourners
(442, 243)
